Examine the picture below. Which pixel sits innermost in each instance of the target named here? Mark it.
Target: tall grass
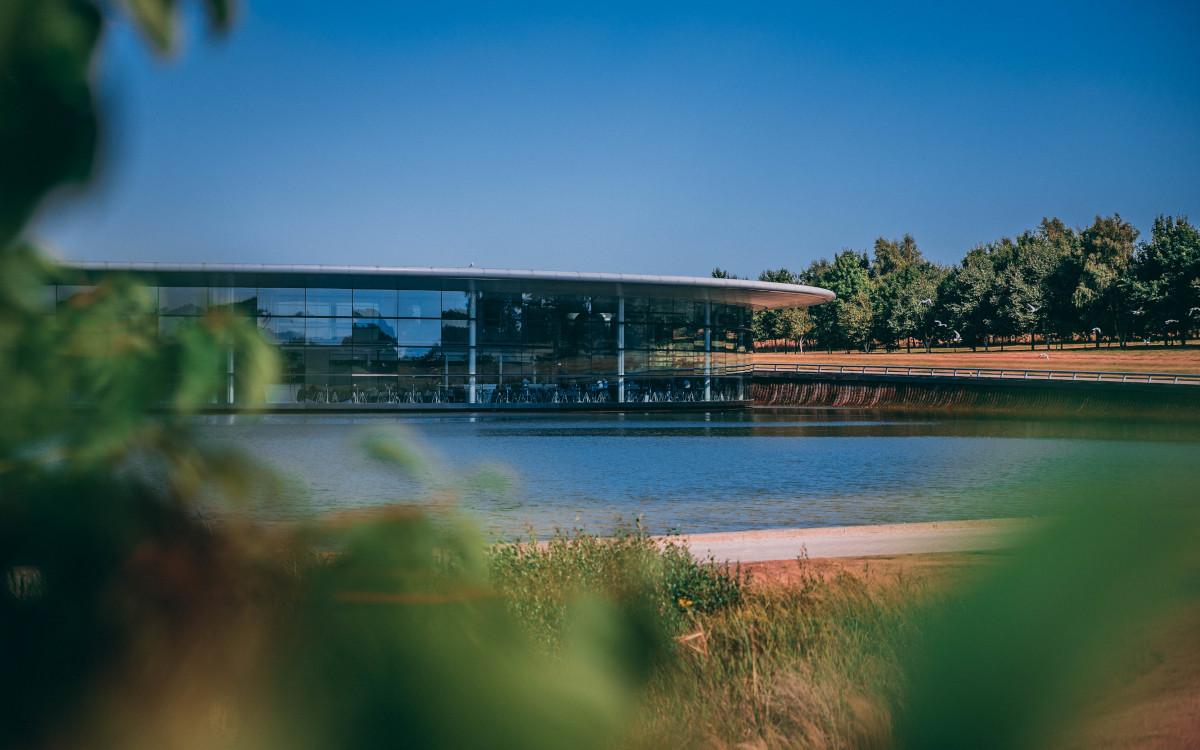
(813, 664)
(803, 667)
(542, 580)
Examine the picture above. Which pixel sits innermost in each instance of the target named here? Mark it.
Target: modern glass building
(361, 336)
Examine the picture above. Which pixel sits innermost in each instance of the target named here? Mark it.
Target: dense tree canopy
(1049, 284)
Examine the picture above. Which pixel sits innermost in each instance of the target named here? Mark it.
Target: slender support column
(229, 379)
(472, 314)
(621, 349)
(708, 351)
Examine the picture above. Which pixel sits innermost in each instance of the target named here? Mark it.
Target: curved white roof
(759, 294)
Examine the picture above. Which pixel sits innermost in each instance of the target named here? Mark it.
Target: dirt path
(857, 541)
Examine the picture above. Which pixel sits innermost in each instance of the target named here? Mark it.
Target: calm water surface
(699, 472)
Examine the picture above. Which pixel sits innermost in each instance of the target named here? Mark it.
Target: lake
(697, 472)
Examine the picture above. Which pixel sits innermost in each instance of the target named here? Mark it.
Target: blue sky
(625, 137)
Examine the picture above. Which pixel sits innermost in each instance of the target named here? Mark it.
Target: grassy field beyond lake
(1133, 359)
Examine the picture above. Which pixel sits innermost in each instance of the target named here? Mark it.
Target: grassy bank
(754, 662)
(814, 654)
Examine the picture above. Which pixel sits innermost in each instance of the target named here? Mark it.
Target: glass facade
(346, 345)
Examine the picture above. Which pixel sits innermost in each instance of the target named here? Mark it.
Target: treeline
(1050, 285)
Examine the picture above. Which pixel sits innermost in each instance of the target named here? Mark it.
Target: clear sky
(638, 137)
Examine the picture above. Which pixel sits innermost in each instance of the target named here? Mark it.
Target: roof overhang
(757, 294)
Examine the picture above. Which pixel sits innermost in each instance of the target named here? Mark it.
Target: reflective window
(419, 304)
(488, 363)
(418, 332)
(725, 316)
(456, 361)
(182, 300)
(501, 318)
(541, 323)
(602, 333)
(329, 302)
(376, 359)
(455, 305)
(291, 360)
(455, 332)
(374, 331)
(281, 302)
(573, 364)
(661, 310)
(538, 362)
(237, 300)
(375, 303)
(287, 391)
(661, 335)
(412, 345)
(659, 359)
(635, 361)
(328, 331)
(636, 308)
(334, 360)
(604, 363)
(687, 310)
(283, 330)
(418, 360)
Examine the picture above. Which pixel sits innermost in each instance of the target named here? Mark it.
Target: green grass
(542, 580)
(809, 665)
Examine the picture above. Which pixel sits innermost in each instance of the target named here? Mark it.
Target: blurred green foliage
(400, 638)
(128, 620)
(1017, 658)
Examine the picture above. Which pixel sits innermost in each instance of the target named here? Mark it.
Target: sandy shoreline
(858, 541)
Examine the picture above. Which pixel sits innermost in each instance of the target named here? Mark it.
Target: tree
(903, 302)
(964, 309)
(903, 291)
(1165, 283)
(847, 276)
(1105, 255)
(894, 255)
(786, 324)
(779, 276)
(854, 320)
(1060, 316)
(795, 325)
(1010, 296)
(1020, 295)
